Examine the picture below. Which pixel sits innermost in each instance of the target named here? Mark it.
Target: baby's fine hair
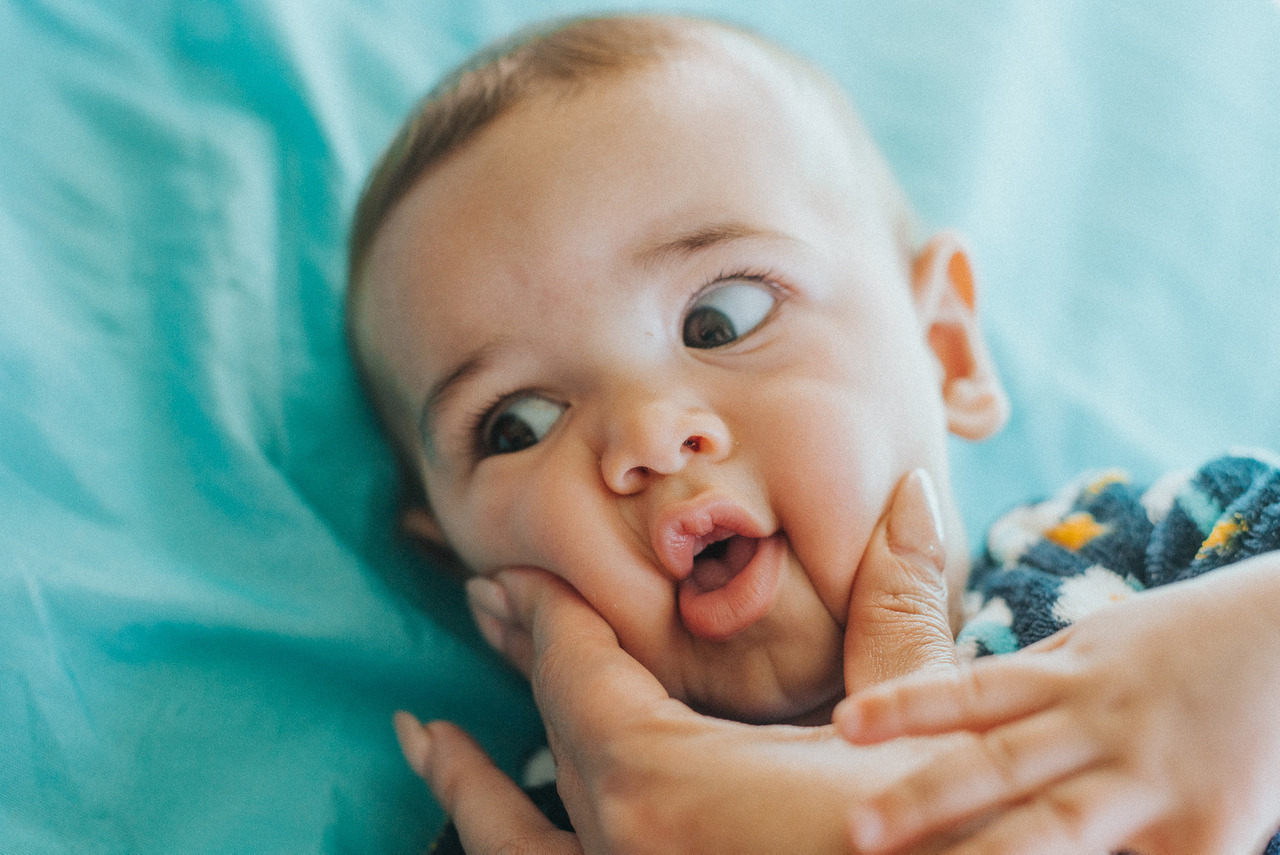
(561, 56)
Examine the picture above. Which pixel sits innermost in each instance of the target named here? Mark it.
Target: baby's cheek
(561, 524)
(829, 494)
(495, 527)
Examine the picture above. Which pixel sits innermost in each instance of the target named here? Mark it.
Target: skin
(556, 258)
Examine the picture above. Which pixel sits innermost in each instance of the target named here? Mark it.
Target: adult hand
(491, 813)
(898, 620)
(624, 747)
(1149, 726)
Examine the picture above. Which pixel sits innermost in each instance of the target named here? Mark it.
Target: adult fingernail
(866, 827)
(492, 630)
(414, 739)
(490, 609)
(915, 521)
(486, 596)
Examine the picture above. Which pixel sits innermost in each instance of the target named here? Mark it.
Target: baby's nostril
(693, 443)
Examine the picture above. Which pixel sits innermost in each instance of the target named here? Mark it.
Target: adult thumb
(898, 615)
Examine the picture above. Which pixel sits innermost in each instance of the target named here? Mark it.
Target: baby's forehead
(712, 61)
(691, 86)
(741, 60)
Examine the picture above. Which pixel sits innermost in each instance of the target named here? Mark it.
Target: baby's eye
(724, 314)
(517, 424)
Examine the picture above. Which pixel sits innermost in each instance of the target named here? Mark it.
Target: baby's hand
(1154, 726)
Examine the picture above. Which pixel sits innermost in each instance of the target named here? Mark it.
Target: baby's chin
(780, 712)
(785, 669)
(762, 701)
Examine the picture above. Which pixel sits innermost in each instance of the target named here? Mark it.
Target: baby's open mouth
(733, 584)
(721, 560)
(727, 566)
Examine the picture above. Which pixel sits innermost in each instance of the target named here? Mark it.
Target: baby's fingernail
(915, 521)
(415, 741)
(488, 597)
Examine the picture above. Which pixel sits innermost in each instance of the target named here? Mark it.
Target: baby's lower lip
(716, 604)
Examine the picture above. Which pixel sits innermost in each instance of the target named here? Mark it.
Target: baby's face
(657, 341)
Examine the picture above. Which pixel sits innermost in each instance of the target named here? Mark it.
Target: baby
(659, 325)
(639, 303)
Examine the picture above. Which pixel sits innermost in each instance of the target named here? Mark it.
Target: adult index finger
(587, 687)
(490, 813)
(898, 611)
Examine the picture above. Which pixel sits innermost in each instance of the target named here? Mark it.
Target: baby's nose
(659, 438)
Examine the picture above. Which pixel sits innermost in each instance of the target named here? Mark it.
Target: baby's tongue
(719, 563)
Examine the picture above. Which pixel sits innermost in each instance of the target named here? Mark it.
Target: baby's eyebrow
(702, 237)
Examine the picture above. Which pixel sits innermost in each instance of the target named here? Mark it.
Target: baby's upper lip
(682, 531)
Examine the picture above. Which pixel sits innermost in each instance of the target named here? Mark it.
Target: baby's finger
(491, 813)
(1092, 813)
(976, 697)
(993, 769)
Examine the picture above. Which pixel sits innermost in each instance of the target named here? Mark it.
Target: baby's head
(640, 304)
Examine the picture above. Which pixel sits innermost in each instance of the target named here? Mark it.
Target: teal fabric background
(205, 619)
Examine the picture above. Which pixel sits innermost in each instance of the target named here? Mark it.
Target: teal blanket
(206, 619)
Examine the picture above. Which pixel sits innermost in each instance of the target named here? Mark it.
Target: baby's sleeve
(1101, 539)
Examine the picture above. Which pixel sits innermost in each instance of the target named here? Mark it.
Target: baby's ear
(946, 303)
(419, 523)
